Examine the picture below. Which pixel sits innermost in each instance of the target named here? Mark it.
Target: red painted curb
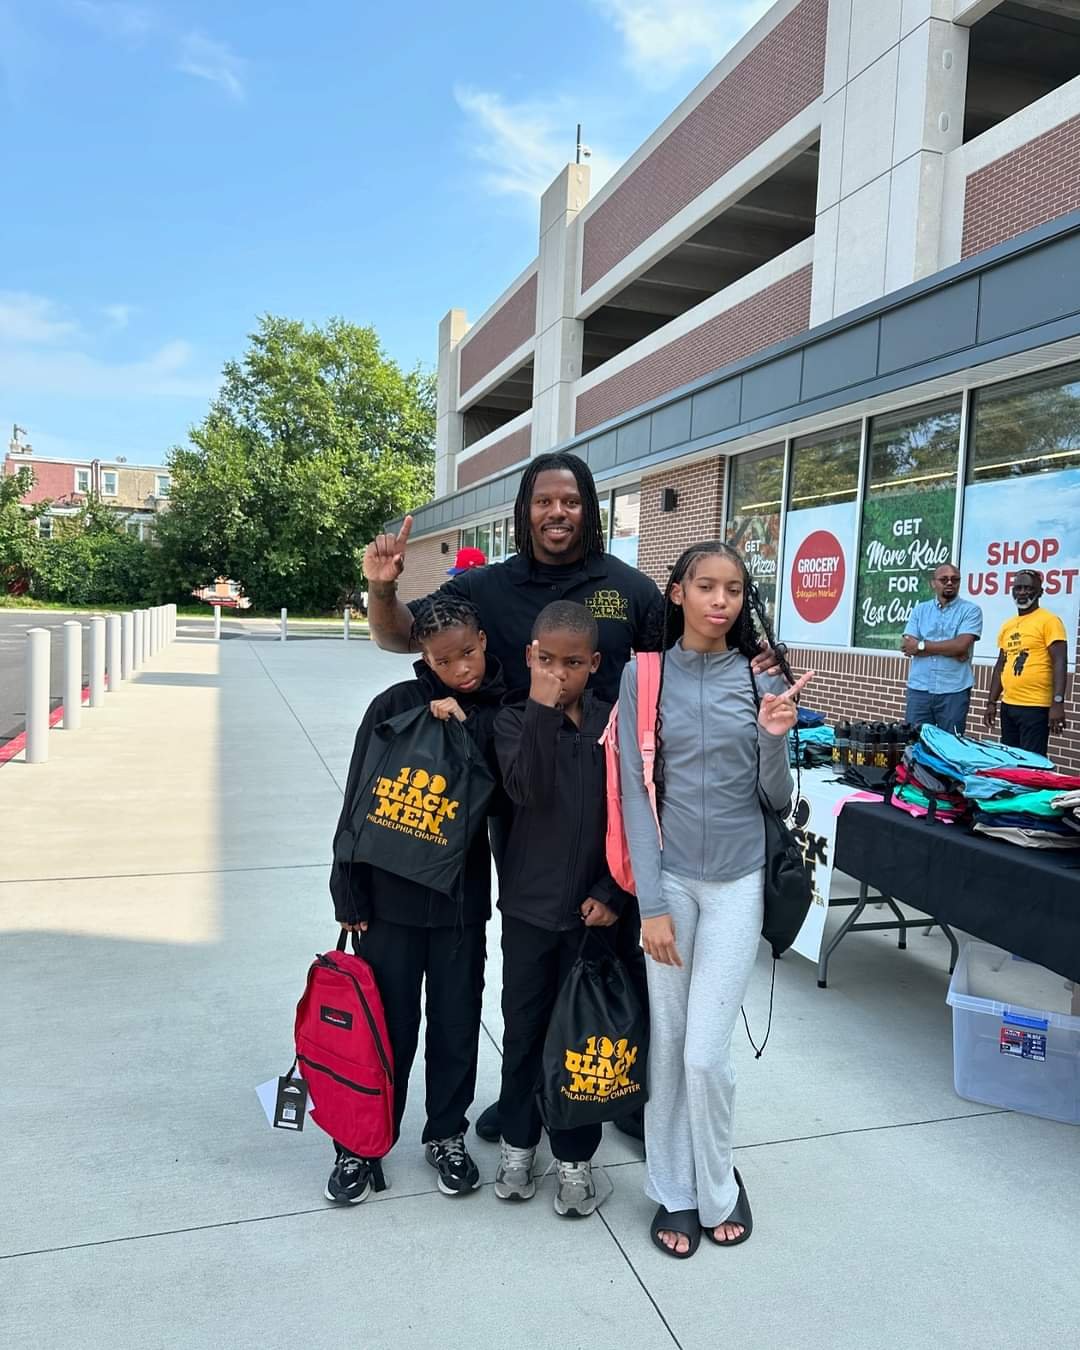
(17, 744)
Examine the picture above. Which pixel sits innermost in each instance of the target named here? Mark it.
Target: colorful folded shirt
(1027, 838)
(1025, 804)
(1035, 778)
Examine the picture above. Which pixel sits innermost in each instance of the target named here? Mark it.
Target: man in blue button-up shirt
(939, 638)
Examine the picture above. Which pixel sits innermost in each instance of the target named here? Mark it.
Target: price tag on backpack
(291, 1106)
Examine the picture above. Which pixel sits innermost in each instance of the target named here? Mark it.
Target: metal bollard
(145, 635)
(127, 643)
(113, 662)
(171, 611)
(72, 675)
(217, 623)
(346, 618)
(38, 655)
(97, 661)
(155, 641)
(137, 620)
(284, 623)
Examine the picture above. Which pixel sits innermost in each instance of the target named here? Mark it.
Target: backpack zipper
(384, 1058)
(346, 1082)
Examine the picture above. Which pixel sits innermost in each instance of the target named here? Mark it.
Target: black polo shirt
(627, 607)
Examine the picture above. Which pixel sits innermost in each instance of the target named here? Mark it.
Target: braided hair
(435, 613)
(745, 634)
(593, 531)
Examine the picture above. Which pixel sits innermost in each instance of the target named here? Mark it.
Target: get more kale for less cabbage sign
(904, 538)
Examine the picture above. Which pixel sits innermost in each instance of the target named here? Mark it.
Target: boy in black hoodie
(415, 934)
(554, 878)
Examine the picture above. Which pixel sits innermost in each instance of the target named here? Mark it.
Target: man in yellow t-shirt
(1030, 671)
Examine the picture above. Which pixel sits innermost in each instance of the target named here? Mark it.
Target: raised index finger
(404, 532)
(797, 688)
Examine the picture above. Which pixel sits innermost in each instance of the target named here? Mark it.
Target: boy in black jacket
(554, 878)
(415, 934)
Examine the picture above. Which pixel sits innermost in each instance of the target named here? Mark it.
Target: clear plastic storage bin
(1016, 1039)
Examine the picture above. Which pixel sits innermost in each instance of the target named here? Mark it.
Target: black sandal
(685, 1222)
(739, 1216)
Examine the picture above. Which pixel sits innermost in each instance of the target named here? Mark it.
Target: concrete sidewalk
(163, 890)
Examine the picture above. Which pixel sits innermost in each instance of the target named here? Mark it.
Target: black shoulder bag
(788, 888)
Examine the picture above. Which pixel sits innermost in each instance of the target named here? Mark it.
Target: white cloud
(122, 22)
(119, 316)
(42, 352)
(28, 318)
(664, 38)
(524, 145)
(208, 59)
(68, 373)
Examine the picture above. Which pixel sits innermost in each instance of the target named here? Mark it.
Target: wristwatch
(921, 645)
(1059, 698)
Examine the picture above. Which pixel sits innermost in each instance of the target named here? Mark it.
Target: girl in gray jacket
(720, 732)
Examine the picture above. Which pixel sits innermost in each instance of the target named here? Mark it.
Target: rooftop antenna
(583, 151)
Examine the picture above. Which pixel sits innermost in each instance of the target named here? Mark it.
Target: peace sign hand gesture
(384, 557)
(778, 713)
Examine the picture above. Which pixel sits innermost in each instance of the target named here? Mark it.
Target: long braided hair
(435, 613)
(744, 634)
(593, 532)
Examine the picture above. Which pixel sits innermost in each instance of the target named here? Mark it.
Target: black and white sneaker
(350, 1181)
(457, 1171)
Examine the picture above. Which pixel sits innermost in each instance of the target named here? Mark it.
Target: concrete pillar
(72, 675)
(895, 84)
(127, 643)
(138, 624)
(145, 635)
(559, 335)
(217, 623)
(284, 624)
(113, 661)
(38, 660)
(449, 423)
(97, 661)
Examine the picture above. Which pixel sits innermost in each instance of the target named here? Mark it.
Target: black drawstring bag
(422, 794)
(789, 891)
(597, 1045)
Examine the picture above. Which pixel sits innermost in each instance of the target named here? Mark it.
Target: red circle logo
(817, 576)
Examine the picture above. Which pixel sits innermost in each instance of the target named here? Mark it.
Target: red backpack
(343, 1052)
(648, 692)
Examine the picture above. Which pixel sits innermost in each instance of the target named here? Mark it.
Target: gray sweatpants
(693, 1011)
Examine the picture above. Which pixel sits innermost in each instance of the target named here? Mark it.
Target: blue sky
(172, 170)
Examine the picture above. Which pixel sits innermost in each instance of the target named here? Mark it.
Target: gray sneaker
(575, 1195)
(514, 1179)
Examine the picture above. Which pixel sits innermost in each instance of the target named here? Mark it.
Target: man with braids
(559, 536)
(721, 737)
(417, 936)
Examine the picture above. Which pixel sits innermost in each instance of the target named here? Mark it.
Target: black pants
(1026, 728)
(535, 963)
(450, 961)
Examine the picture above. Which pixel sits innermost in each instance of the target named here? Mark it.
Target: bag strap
(648, 698)
(344, 935)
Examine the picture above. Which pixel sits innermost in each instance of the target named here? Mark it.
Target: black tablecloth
(1024, 900)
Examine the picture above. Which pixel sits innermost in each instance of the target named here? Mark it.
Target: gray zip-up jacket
(710, 738)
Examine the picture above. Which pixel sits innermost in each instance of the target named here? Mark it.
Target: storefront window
(1029, 426)
(819, 549)
(907, 522)
(483, 540)
(605, 517)
(1022, 501)
(754, 515)
(497, 542)
(625, 525)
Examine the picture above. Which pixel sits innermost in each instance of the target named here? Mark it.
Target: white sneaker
(514, 1179)
(575, 1195)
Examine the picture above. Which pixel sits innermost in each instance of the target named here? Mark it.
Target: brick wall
(662, 535)
(773, 314)
(426, 564)
(865, 687)
(1034, 183)
(484, 347)
(502, 455)
(782, 75)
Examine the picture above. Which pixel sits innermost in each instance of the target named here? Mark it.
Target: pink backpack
(648, 691)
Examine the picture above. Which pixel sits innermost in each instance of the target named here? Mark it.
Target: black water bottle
(842, 744)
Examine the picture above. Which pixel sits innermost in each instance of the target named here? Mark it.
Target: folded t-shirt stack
(1069, 803)
(1025, 806)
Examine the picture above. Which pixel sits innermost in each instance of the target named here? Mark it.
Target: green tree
(315, 439)
(92, 560)
(20, 546)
